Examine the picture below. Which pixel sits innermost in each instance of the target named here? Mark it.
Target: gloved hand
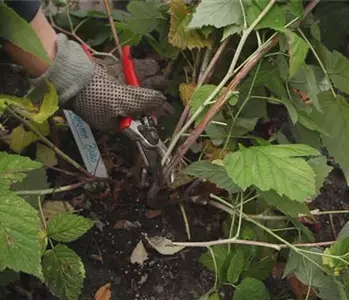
(86, 87)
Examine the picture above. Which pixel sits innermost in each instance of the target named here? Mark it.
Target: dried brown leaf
(103, 293)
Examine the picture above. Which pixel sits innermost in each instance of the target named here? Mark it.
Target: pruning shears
(144, 130)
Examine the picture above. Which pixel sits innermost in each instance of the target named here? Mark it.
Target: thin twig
(205, 62)
(250, 243)
(112, 26)
(52, 191)
(209, 70)
(49, 143)
(227, 241)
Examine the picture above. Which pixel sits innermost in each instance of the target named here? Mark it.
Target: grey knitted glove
(86, 87)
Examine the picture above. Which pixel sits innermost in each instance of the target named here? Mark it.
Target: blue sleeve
(27, 9)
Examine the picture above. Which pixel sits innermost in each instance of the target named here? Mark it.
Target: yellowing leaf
(52, 208)
(21, 138)
(186, 91)
(103, 293)
(21, 102)
(46, 155)
(180, 35)
(48, 106)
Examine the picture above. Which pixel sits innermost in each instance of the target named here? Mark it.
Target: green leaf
(19, 229)
(35, 180)
(180, 34)
(340, 249)
(145, 16)
(276, 167)
(19, 32)
(275, 18)
(13, 168)
(344, 233)
(305, 81)
(298, 50)
(321, 169)
(285, 205)
(337, 66)
(334, 23)
(261, 269)
(236, 265)
(303, 135)
(251, 288)
(213, 173)
(214, 296)
(296, 7)
(309, 123)
(66, 227)
(244, 125)
(220, 253)
(231, 30)
(200, 96)
(307, 267)
(218, 13)
(335, 121)
(64, 272)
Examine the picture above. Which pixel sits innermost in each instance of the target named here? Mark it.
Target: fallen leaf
(125, 224)
(163, 245)
(103, 292)
(139, 254)
(151, 214)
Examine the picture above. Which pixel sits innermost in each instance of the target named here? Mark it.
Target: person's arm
(31, 12)
(83, 85)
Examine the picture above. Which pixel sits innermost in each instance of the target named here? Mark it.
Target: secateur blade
(144, 132)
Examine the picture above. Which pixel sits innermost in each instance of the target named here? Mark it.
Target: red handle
(129, 67)
(130, 78)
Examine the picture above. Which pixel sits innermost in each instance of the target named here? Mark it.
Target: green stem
(185, 220)
(242, 106)
(215, 268)
(43, 220)
(51, 191)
